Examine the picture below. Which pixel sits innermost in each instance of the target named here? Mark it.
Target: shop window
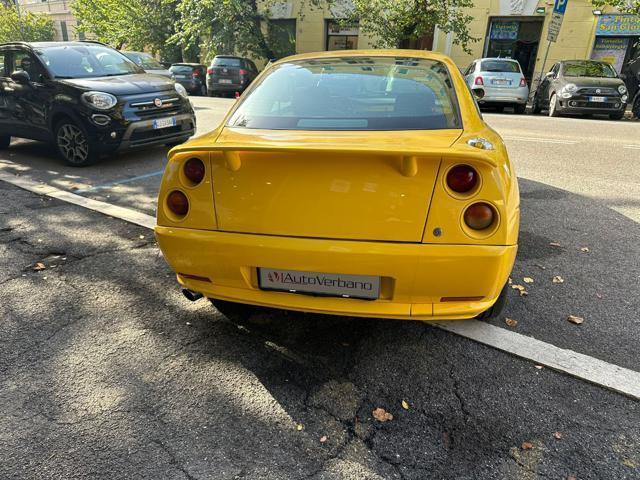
(341, 36)
(63, 30)
(282, 36)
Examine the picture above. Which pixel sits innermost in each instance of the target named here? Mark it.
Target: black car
(581, 87)
(191, 76)
(228, 74)
(88, 100)
(631, 76)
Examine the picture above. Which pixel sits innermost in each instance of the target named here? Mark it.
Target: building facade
(60, 12)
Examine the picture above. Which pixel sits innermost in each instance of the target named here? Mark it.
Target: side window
(555, 69)
(25, 61)
(469, 69)
(253, 66)
(3, 69)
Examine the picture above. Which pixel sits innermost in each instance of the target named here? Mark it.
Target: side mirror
(21, 77)
(478, 93)
(549, 75)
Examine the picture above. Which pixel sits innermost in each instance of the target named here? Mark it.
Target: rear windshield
(503, 66)
(589, 69)
(352, 93)
(181, 69)
(226, 62)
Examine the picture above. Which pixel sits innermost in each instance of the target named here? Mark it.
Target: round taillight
(178, 203)
(462, 178)
(194, 170)
(479, 216)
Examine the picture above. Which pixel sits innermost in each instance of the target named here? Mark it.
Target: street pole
(544, 63)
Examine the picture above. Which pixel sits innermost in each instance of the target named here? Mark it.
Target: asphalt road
(106, 371)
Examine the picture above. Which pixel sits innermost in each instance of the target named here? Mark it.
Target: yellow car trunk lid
(348, 185)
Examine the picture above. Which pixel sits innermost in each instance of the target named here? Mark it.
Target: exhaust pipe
(191, 296)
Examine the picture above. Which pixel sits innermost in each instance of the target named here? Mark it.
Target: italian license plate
(224, 80)
(598, 99)
(164, 123)
(501, 82)
(314, 283)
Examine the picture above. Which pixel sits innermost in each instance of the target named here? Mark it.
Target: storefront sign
(618, 25)
(504, 30)
(610, 50)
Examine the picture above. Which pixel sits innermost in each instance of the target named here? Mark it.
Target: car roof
(185, 64)
(228, 56)
(83, 43)
(502, 59)
(387, 52)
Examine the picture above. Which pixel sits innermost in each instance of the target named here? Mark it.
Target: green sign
(618, 25)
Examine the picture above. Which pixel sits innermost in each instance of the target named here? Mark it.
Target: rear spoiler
(408, 166)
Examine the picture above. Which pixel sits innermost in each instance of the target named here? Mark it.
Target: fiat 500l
(362, 184)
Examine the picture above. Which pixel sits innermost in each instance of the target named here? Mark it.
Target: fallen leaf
(510, 281)
(405, 405)
(539, 367)
(382, 415)
(521, 289)
(541, 267)
(585, 249)
(554, 244)
(575, 319)
(323, 439)
(188, 324)
(299, 427)
(527, 445)
(39, 266)
(141, 237)
(558, 279)
(511, 322)
(528, 280)
(598, 295)
(558, 435)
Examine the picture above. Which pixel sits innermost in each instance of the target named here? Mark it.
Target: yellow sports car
(354, 183)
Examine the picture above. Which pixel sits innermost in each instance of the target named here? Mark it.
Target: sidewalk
(106, 371)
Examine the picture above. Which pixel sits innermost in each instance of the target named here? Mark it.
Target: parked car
(346, 183)
(191, 76)
(631, 76)
(228, 74)
(88, 100)
(581, 87)
(149, 64)
(503, 83)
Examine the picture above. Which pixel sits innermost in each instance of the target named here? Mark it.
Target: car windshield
(226, 62)
(145, 60)
(503, 66)
(589, 69)
(181, 69)
(352, 93)
(85, 61)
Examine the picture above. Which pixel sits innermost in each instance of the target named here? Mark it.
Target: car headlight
(624, 98)
(570, 87)
(622, 89)
(181, 90)
(99, 100)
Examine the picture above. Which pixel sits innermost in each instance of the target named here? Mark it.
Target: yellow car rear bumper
(419, 281)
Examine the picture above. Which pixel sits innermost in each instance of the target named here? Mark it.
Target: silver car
(502, 82)
(149, 64)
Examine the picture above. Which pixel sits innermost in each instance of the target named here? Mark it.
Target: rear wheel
(496, 308)
(535, 107)
(636, 107)
(616, 116)
(519, 108)
(553, 106)
(5, 140)
(73, 143)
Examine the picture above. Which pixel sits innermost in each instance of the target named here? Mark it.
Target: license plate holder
(164, 123)
(226, 81)
(364, 287)
(500, 82)
(598, 99)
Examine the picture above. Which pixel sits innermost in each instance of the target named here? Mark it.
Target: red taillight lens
(194, 170)
(479, 81)
(196, 74)
(178, 203)
(479, 216)
(209, 70)
(243, 71)
(462, 178)
(523, 82)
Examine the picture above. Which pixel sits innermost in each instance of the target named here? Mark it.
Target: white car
(501, 82)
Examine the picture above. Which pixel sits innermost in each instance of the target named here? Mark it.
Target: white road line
(581, 366)
(540, 140)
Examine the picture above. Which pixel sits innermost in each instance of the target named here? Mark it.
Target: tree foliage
(26, 27)
(624, 6)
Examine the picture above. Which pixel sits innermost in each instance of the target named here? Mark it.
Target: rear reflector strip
(194, 277)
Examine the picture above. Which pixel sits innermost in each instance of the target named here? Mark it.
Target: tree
(134, 24)
(623, 6)
(25, 26)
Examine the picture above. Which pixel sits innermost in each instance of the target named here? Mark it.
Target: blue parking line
(119, 182)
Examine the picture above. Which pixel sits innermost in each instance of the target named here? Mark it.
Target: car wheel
(616, 116)
(496, 308)
(5, 141)
(636, 107)
(535, 106)
(553, 106)
(74, 144)
(520, 108)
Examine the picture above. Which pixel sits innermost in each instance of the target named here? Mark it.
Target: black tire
(616, 116)
(520, 108)
(635, 109)
(553, 106)
(73, 144)
(5, 141)
(496, 308)
(535, 106)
